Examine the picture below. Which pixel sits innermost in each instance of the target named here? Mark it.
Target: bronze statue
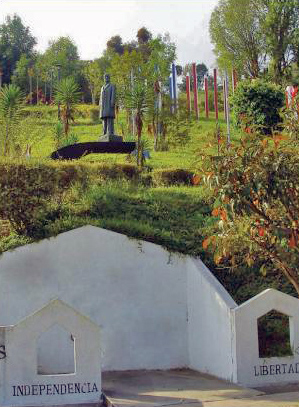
(107, 110)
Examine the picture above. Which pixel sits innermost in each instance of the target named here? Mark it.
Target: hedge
(168, 177)
(27, 187)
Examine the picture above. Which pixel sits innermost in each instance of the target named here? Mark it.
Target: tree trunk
(139, 125)
(37, 100)
(6, 140)
(156, 141)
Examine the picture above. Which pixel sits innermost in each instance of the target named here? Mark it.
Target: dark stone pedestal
(78, 150)
(110, 138)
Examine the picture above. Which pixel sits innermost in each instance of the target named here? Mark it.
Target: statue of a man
(107, 106)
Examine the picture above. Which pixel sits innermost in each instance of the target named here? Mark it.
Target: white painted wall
(56, 351)
(156, 310)
(255, 371)
(210, 323)
(2, 365)
(136, 291)
(21, 363)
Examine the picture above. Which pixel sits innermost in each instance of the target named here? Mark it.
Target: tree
(143, 35)
(20, 75)
(94, 72)
(15, 41)
(201, 71)
(236, 34)
(279, 21)
(62, 52)
(137, 100)
(115, 44)
(11, 103)
(68, 95)
(131, 46)
(179, 70)
(257, 205)
(157, 71)
(151, 72)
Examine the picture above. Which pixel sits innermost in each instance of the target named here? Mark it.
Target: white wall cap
(218, 287)
(268, 300)
(52, 309)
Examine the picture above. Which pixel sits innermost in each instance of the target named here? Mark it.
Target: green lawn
(202, 139)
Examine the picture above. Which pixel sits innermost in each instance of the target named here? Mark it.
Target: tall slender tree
(237, 37)
(279, 22)
(15, 40)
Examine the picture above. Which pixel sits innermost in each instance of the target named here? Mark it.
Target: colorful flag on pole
(188, 93)
(195, 90)
(227, 108)
(206, 96)
(216, 93)
(174, 85)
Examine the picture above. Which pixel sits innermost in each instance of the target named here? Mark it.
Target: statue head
(107, 78)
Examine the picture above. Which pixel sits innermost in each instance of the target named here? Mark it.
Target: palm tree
(11, 104)
(68, 95)
(137, 100)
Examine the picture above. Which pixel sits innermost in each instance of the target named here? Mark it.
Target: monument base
(78, 150)
(110, 137)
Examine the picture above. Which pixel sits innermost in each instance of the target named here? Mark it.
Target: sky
(90, 23)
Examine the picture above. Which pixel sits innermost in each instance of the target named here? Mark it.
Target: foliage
(143, 35)
(27, 188)
(62, 52)
(11, 103)
(257, 206)
(61, 138)
(94, 73)
(139, 80)
(279, 21)
(67, 95)
(236, 34)
(257, 104)
(172, 217)
(169, 177)
(15, 40)
(115, 44)
(94, 115)
(138, 101)
(178, 130)
(20, 74)
(274, 335)
(24, 194)
(251, 35)
(28, 134)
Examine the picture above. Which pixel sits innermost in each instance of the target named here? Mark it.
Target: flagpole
(215, 94)
(206, 96)
(227, 109)
(195, 90)
(188, 93)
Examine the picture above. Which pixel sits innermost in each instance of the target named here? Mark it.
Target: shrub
(24, 193)
(257, 104)
(27, 188)
(169, 177)
(94, 115)
(116, 171)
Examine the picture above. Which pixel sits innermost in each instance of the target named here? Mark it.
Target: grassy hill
(176, 215)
